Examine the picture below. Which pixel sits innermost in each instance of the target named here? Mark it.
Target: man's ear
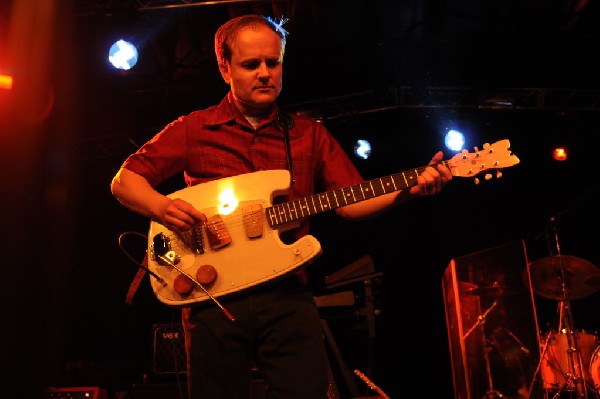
(224, 69)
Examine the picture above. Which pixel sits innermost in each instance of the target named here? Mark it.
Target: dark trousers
(277, 330)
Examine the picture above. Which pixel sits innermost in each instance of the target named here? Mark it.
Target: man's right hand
(179, 216)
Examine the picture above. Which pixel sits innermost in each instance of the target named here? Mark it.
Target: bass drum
(555, 360)
(595, 369)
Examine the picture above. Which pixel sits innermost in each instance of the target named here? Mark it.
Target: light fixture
(560, 154)
(123, 55)
(362, 149)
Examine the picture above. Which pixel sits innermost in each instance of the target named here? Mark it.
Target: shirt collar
(227, 112)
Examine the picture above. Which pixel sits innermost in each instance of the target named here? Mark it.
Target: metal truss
(91, 7)
(558, 99)
(355, 104)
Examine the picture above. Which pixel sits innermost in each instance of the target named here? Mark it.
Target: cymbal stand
(573, 375)
(539, 366)
(574, 378)
(491, 393)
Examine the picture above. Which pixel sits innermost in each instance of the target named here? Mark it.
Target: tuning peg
(498, 174)
(488, 176)
(476, 180)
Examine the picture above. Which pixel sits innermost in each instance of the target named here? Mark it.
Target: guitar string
(236, 219)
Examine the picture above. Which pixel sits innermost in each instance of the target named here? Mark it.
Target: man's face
(255, 71)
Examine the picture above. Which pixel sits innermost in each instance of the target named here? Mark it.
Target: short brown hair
(227, 33)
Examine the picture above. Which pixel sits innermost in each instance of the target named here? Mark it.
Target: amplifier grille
(169, 349)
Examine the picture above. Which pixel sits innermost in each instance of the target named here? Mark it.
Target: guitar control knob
(206, 274)
(183, 285)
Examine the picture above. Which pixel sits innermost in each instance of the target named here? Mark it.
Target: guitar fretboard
(292, 211)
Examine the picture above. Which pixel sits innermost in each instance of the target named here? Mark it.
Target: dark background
(397, 72)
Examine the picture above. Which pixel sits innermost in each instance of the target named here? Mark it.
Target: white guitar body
(245, 262)
(240, 241)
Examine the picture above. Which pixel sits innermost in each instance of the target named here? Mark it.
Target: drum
(555, 363)
(595, 369)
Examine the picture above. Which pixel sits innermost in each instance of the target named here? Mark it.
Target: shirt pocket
(216, 162)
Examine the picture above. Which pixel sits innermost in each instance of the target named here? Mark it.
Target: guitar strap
(137, 280)
(285, 123)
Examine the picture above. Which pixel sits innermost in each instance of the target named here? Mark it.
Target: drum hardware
(510, 350)
(564, 278)
(494, 290)
(488, 345)
(595, 369)
(555, 360)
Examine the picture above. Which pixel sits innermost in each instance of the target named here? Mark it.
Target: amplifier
(169, 349)
(169, 358)
(75, 393)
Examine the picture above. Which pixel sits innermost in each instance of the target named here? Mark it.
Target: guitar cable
(193, 280)
(143, 269)
(144, 264)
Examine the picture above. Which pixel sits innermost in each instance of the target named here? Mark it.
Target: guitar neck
(465, 164)
(292, 211)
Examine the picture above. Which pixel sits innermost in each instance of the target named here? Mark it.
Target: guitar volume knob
(183, 285)
(206, 274)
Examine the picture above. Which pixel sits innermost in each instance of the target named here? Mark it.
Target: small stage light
(560, 154)
(454, 140)
(123, 55)
(362, 149)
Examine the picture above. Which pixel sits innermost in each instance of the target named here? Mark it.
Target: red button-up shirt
(219, 142)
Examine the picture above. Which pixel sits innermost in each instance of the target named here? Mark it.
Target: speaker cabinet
(169, 349)
(169, 359)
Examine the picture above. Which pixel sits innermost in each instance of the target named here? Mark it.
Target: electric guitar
(239, 247)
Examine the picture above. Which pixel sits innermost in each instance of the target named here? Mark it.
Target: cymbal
(581, 278)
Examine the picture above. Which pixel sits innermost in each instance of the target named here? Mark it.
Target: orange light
(560, 154)
(228, 202)
(6, 82)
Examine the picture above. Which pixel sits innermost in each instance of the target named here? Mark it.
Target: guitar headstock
(492, 157)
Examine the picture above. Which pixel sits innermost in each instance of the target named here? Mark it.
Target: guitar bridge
(197, 243)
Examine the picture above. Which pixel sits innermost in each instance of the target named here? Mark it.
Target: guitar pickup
(253, 220)
(218, 235)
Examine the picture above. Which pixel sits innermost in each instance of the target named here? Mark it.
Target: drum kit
(570, 359)
(569, 362)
